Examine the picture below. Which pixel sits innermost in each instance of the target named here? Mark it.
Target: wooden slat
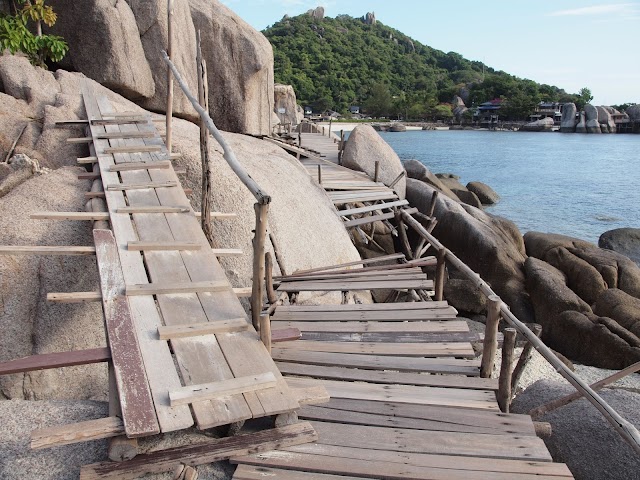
(40, 250)
(374, 218)
(88, 176)
(153, 209)
(318, 286)
(356, 274)
(87, 160)
(175, 288)
(74, 297)
(132, 149)
(399, 378)
(226, 252)
(376, 269)
(77, 432)
(80, 140)
(72, 123)
(55, 360)
(141, 186)
(224, 388)
(242, 292)
(209, 328)
(364, 315)
(372, 208)
(456, 326)
(250, 472)
(443, 349)
(366, 261)
(414, 395)
(93, 216)
(219, 215)
(136, 403)
(377, 362)
(131, 166)
(365, 307)
(162, 246)
(209, 452)
(395, 337)
(110, 135)
(364, 198)
(285, 335)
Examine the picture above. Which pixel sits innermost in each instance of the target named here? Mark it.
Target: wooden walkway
(407, 400)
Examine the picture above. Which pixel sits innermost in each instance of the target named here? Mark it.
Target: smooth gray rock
(634, 112)
(17, 170)
(364, 147)
(568, 122)
(591, 115)
(582, 438)
(625, 241)
(606, 120)
(621, 307)
(581, 127)
(485, 193)
(468, 197)
(465, 296)
(317, 13)
(418, 171)
(285, 98)
(542, 125)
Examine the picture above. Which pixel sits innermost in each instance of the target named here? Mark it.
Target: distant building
(355, 110)
(487, 113)
(308, 111)
(548, 109)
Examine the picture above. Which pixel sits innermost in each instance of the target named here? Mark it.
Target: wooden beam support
(259, 239)
(40, 250)
(55, 360)
(89, 176)
(175, 288)
(91, 216)
(227, 252)
(265, 331)
(441, 269)
(219, 215)
(163, 246)
(74, 297)
(76, 433)
(133, 149)
(242, 292)
(158, 209)
(125, 135)
(209, 328)
(80, 140)
(224, 388)
(87, 160)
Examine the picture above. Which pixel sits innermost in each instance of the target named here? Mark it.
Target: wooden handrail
(261, 196)
(622, 426)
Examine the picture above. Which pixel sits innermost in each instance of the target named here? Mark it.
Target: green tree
(379, 103)
(442, 112)
(16, 36)
(518, 106)
(584, 97)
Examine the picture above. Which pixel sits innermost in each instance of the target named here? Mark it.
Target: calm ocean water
(576, 185)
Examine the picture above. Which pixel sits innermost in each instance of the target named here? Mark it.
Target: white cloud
(620, 8)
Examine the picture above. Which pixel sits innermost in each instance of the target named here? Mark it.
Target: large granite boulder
(370, 18)
(317, 13)
(625, 241)
(15, 171)
(484, 192)
(419, 171)
(581, 127)
(285, 99)
(568, 122)
(591, 115)
(621, 307)
(606, 120)
(468, 197)
(633, 112)
(459, 108)
(364, 148)
(490, 245)
(105, 44)
(543, 125)
(240, 67)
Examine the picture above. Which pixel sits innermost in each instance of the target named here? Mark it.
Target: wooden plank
(376, 269)
(378, 362)
(136, 403)
(209, 328)
(175, 288)
(74, 297)
(366, 261)
(250, 472)
(226, 252)
(443, 349)
(456, 326)
(364, 315)
(153, 209)
(318, 286)
(374, 218)
(285, 335)
(41, 250)
(77, 432)
(242, 292)
(67, 123)
(80, 140)
(162, 246)
(219, 215)
(140, 186)
(364, 198)
(132, 149)
(409, 271)
(366, 307)
(87, 160)
(395, 337)
(434, 417)
(223, 388)
(92, 216)
(399, 378)
(372, 208)
(110, 135)
(209, 452)
(159, 362)
(131, 166)
(311, 395)
(128, 115)
(414, 395)
(89, 176)
(55, 360)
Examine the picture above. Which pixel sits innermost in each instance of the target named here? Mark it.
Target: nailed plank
(365, 307)
(94, 216)
(55, 360)
(408, 271)
(209, 328)
(367, 261)
(444, 349)
(40, 250)
(374, 218)
(88, 176)
(176, 288)
(138, 412)
(162, 246)
(209, 452)
(219, 215)
(376, 269)
(364, 315)
(372, 208)
(285, 335)
(377, 362)
(110, 135)
(456, 326)
(250, 472)
(74, 297)
(365, 198)
(132, 149)
(131, 166)
(415, 395)
(400, 378)
(311, 395)
(318, 286)
(70, 123)
(395, 337)
(141, 186)
(223, 388)
(77, 432)
(153, 209)
(87, 160)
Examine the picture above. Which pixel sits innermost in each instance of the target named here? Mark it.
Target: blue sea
(571, 184)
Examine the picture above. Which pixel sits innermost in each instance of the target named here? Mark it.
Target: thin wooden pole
(229, 156)
(398, 178)
(504, 383)
(271, 293)
(341, 149)
(622, 426)
(276, 252)
(259, 238)
(330, 123)
(169, 112)
(440, 274)
(376, 173)
(402, 233)
(203, 99)
(524, 359)
(490, 337)
(265, 331)
(320, 174)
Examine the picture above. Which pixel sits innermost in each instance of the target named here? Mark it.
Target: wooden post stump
(440, 274)
(262, 210)
(504, 383)
(490, 336)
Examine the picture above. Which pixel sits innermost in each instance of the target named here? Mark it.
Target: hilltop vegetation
(334, 63)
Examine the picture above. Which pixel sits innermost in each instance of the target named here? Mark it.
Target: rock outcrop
(484, 192)
(419, 171)
(607, 125)
(621, 307)
(490, 245)
(581, 127)
(369, 18)
(568, 122)
(459, 108)
(591, 115)
(317, 13)
(285, 99)
(17, 170)
(543, 125)
(625, 241)
(364, 148)
(633, 112)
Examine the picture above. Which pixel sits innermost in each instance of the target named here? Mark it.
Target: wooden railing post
(376, 172)
(169, 112)
(268, 265)
(265, 331)
(341, 149)
(320, 174)
(504, 383)
(525, 356)
(440, 274)
(259, 239)
(402, 233)
(203, 99)
(490, 336)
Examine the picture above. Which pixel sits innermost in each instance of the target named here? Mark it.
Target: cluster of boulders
(459, 108)
(591, 120)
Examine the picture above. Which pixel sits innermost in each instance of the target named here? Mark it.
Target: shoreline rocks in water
(625, 241)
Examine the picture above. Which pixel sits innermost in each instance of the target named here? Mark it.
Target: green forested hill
(338, 62)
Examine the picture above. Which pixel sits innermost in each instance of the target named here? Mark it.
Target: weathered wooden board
(224, 388)
(250, 472)
(74, 297)
(394, 337)
(415, 316)
(94, 216)
(372, 208)
(162, 246)
(368, 261)
(41, 250)
(444, 349)
(374, 218)
(455, 326)
(355, 274)
(371, 307)
(167, 288)
(55, 360)
(77, 432)
(136, 403)
(207, 328)
(319, 286)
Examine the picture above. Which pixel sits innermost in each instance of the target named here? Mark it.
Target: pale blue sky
(568, 43)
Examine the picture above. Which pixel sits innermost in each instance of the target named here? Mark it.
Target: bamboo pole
(490, 337)
(504, 382)
(169, 112)
(622, 426)
(271, 293)
(524, 359)
(259, 238)
(203, 99)
(229, 156)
